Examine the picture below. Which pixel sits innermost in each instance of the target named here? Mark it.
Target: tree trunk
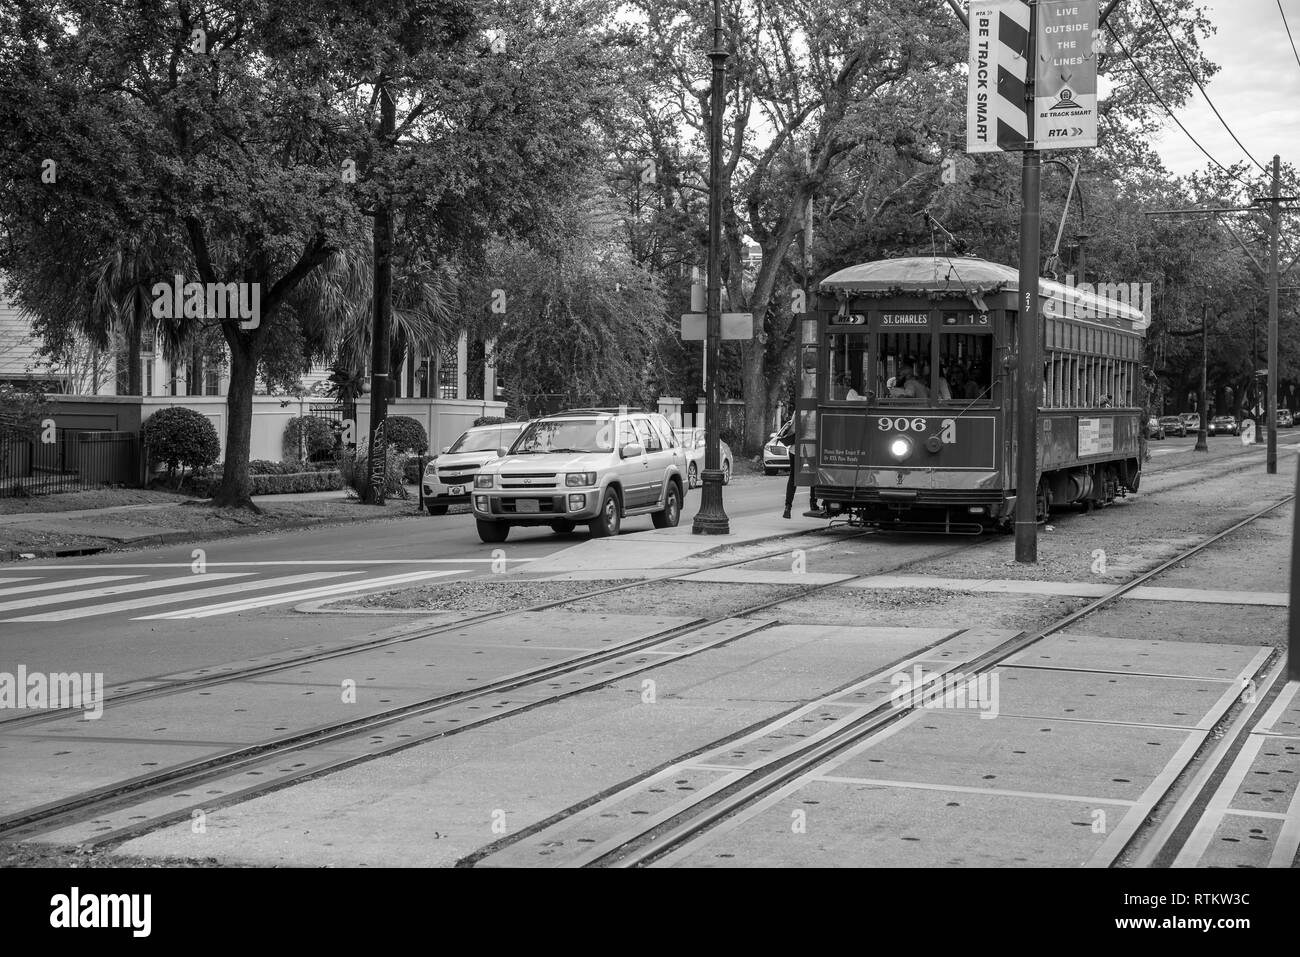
(756, 391)
(235, 484)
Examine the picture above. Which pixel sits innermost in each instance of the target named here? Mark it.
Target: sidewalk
(666, 548)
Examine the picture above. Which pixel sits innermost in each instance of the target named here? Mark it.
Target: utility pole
(1202, 444)
(1271, 385)
(380, 347)
(712, 518)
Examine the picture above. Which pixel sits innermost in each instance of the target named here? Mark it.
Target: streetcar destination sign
(904, 318)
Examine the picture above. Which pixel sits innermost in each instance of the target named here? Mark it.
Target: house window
(477, 369)
(447, 373)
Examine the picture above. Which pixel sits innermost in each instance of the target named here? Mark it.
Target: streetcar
(907, 398)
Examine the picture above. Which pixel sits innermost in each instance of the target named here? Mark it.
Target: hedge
(317, 437)
(281, 484)
(405, 434)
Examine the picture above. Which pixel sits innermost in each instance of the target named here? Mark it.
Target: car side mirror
(632, 451)
(501, 452)
(445, 450)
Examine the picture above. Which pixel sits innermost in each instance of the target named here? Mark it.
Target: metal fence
(72, 460)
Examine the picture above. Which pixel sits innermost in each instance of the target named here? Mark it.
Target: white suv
(449, 477)
(587, 467)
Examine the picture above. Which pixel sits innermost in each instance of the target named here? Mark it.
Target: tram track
(159, 686)
(123, 800)
(681, 827)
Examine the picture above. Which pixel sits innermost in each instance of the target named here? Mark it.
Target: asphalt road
(155, 611)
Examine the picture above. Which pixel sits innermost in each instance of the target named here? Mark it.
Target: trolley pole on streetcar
(712, 518)
(1027, 368)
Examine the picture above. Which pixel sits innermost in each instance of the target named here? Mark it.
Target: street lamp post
(1201, 444)
(712, 518)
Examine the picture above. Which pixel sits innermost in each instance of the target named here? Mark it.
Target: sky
(1257, 89)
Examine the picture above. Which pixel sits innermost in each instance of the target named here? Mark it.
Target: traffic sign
(1258, 410)
(1065, 81)
(735, 325)
(996, 117)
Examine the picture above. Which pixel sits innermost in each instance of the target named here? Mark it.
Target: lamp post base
(711, 518)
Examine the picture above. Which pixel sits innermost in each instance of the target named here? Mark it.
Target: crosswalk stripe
(151, 600)
(304, 595)
(115, 590)
(51, 586)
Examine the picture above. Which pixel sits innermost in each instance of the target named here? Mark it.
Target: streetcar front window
(904, 363)
(965, 366)
(847, 368)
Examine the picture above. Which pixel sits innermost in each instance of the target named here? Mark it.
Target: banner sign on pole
(997, 116)
(1065, 82)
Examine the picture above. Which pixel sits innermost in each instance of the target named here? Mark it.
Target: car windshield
(595, 434)
(485, 439)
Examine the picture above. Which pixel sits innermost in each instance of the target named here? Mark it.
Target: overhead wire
(1288, 32)
(1190, 72)
(1162, 102)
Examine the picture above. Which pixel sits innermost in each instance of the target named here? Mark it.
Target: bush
(355, 469)
(489, 420)
(180, 438)
(317, 438)
(405, 434)
(413, 470)
(728, 434)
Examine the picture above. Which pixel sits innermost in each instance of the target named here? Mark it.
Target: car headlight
(580, 479)
(900, 448)
(484, 480)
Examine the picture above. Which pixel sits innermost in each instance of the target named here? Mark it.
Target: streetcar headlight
(900, 448)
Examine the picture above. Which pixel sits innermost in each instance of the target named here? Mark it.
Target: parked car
(1154, 429)
(590, 467)
(1192, 421)
(1285, 419)
(776, 455)
(1224, 425)
(692, 442)
(1173, 425)
(449, 475)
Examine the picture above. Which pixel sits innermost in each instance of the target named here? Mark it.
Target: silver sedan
(692, 441)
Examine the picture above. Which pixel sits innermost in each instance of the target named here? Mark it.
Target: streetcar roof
(963, 276)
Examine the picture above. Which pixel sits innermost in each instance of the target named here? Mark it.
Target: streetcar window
(847, 367)
(965, 370)
(904, 363)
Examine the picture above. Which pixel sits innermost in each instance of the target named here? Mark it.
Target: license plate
(456, 490)
(526, 505)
